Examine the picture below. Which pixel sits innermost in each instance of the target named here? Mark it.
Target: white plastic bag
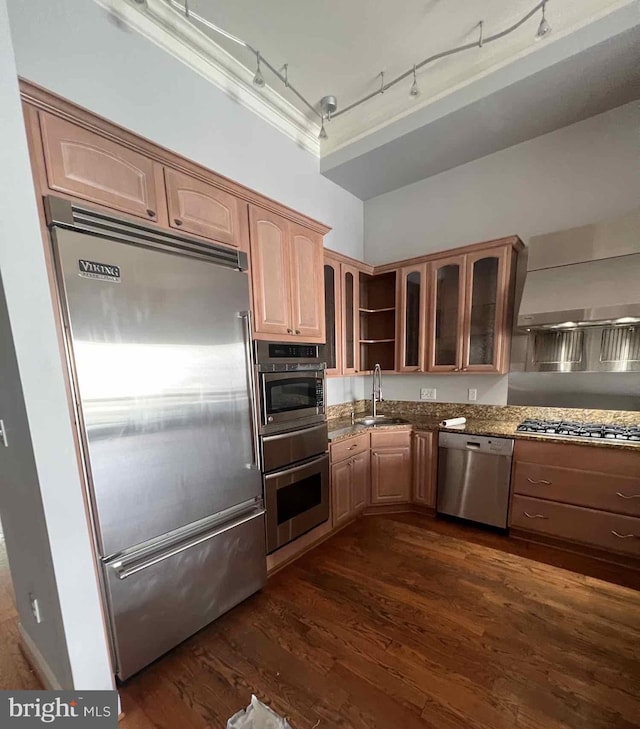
(257, 716)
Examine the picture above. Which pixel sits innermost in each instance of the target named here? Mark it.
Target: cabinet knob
(297, 331)
(464, 369)
(289, 331)
(177, 221)
(151, 213)
(456, 369)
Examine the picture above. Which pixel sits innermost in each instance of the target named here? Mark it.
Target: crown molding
(164, 26)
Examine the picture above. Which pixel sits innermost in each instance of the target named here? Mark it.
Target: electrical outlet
(35, 608)
(473, 394)
(427, 393)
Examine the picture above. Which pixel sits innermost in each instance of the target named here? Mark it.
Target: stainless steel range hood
(584, 277)
(576, 343)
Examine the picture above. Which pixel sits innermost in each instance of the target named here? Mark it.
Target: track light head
(258, 79)
(414, 86)
(323, 132)
(328, 106)
(544, 28)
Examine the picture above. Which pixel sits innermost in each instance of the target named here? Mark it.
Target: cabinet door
(333, 306)
(424, 468)
(391, 468)
(307, 284)
(447, 315)
(341, 480)
(485, 330)
(360, 481)
(270, 273)
(202, 209)
(86, 165)
(350, 319)
(412, 312)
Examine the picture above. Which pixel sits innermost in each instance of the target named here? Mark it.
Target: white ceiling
(339, 46)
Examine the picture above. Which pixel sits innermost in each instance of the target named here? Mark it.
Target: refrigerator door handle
(126, 568)
(246, 316)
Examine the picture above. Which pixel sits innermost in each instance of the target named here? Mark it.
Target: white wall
(39, 469)
(71, 47)
(573, 176)
(577, 175)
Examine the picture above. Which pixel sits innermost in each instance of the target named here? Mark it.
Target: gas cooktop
(581, 430)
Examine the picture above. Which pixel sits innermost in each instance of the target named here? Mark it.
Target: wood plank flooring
(397, 622)
(394, 624)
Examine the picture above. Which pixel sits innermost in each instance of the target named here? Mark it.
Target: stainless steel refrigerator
(158, 344)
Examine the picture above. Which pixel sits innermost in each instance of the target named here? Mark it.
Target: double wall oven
(293, 438)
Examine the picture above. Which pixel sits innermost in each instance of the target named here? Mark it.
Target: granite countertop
(340, 428)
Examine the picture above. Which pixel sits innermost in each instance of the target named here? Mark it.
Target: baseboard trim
(36, 661)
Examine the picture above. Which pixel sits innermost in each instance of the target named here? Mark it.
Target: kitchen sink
(381, 420)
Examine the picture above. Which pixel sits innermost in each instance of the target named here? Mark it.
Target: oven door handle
(253, 404)
(282, 436)
(307, 465)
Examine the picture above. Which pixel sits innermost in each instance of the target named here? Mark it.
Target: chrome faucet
(376, 395)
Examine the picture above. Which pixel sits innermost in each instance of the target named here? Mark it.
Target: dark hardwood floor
(397, 622)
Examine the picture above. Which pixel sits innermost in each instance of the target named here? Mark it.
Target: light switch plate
(427, 393)
(473, 394)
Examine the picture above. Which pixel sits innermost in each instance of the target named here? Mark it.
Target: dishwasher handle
(473, 446)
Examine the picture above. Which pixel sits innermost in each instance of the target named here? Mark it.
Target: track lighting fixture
(258, 79)
(414, 86)
(326, 114)
(544, 28)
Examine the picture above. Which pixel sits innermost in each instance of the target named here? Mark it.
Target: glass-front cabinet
(447, 286)
(485, 334)
(333, 306)
(350, 315)
(468, 320)
(412, 296)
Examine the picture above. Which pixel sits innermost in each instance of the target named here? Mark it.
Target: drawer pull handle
(350, 448)
(535, 516)
(536, 483)
(622, 536)
(624, 496)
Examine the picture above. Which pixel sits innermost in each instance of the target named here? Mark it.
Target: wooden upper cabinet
(412, 315)
(270, 275)
(286, 277)
(307, 282)
(447, 316)
(332, 351)
(350, 320)
(470, 299)
(202, 209)
(486, 334)
(88, 166)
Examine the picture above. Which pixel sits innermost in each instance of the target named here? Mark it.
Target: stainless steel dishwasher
(474, 473)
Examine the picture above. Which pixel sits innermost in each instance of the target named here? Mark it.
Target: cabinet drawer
(620, 494)
(86, 165)
(349, 447)
(390, 438)
(600, 529)
(582, 457)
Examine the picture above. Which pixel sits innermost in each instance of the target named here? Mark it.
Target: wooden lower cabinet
(584, 495)
(349, 487)
(425, 445)
(390, 467)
